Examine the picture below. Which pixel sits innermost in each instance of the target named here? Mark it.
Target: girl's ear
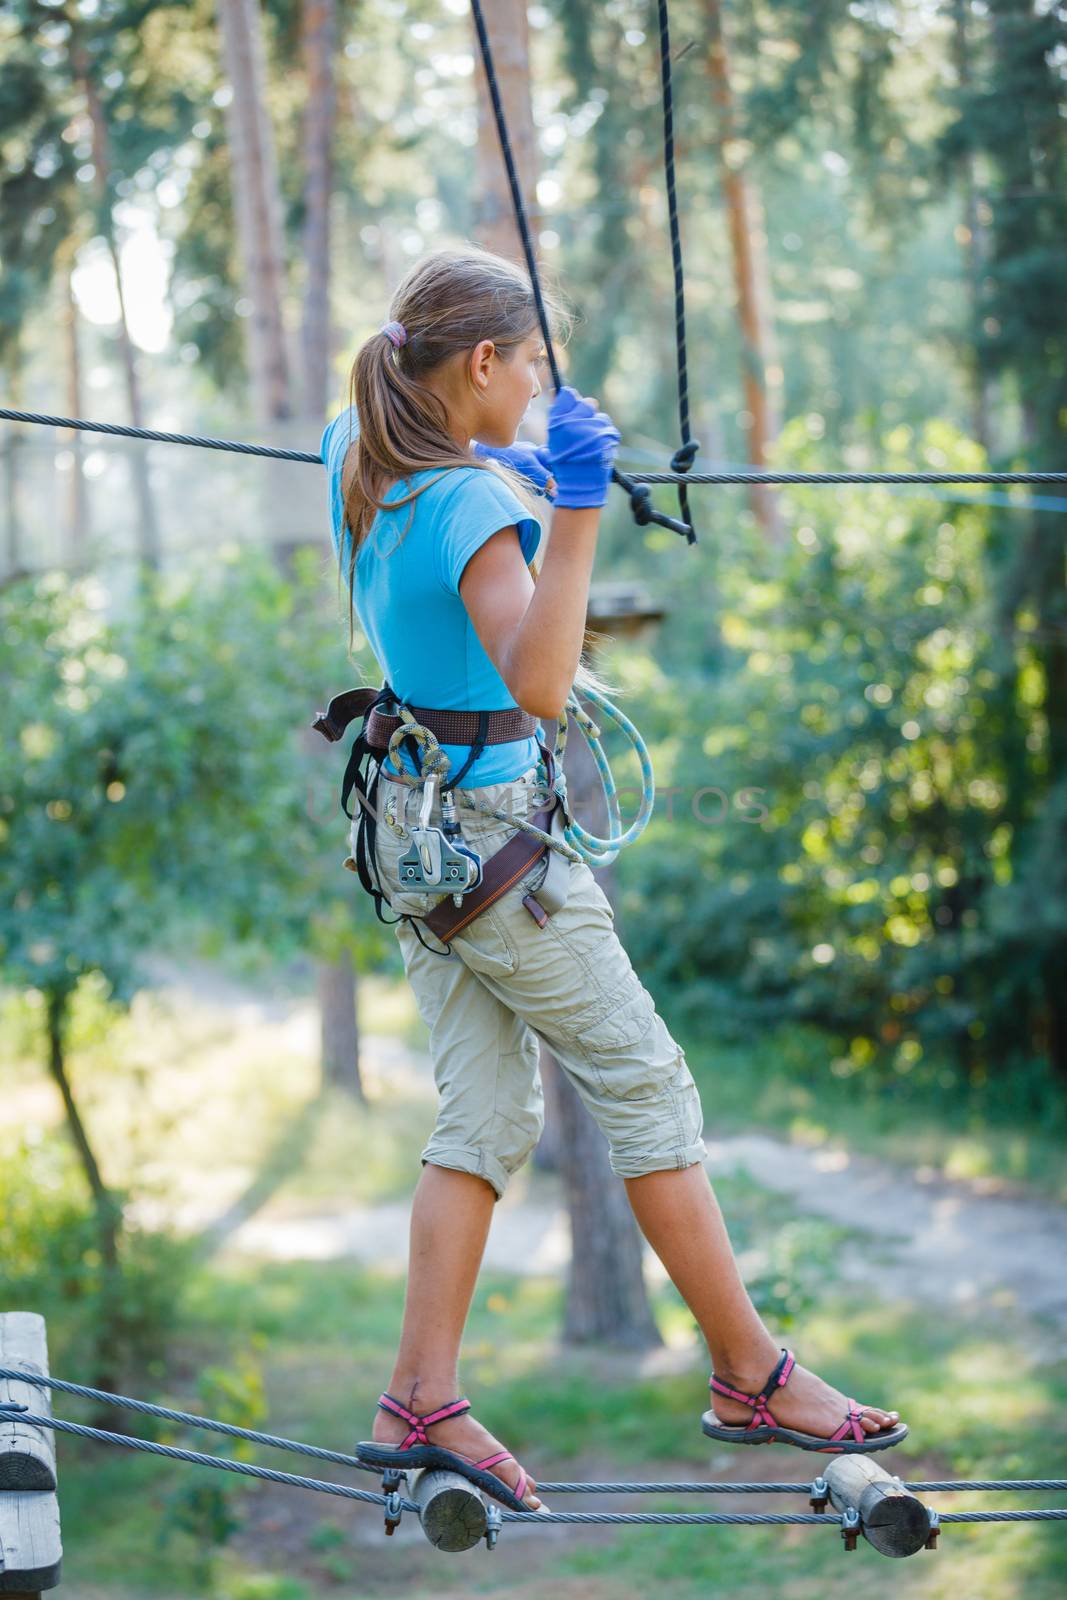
(482, 361)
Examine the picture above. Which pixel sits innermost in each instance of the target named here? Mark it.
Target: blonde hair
(447, 303)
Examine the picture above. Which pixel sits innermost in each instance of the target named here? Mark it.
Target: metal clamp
(394, 1509)
(820, 1495)
(493, 1524)
(851, 1527)
(935, 1529)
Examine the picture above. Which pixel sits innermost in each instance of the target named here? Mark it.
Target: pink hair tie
(395, 332)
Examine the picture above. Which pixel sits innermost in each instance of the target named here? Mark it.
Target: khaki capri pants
(509, 984)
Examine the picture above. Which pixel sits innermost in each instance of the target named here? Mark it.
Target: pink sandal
(763, 1429)
(424, 1454)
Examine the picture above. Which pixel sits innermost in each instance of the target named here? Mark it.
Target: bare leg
(680, 1217)
(450, 1217)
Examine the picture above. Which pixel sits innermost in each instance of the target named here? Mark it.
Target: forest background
(851, 902)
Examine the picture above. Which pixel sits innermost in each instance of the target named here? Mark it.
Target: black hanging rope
(683, 457)
(640, 497)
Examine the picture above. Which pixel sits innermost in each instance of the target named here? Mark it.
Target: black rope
(8, 414)
(640, 498)
(684, 457)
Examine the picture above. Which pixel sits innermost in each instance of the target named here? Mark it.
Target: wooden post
(451, 1509)
(30, 1547)
(892, 1519)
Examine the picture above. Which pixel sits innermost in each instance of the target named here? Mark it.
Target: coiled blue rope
(595, 851)
(578, 844)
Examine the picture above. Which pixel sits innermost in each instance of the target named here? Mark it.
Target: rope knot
(683, 458)
(641, 504)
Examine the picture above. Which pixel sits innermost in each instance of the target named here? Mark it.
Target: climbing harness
(439, 859)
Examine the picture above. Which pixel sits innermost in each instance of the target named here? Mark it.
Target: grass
(785, 1081)
(206, 1101)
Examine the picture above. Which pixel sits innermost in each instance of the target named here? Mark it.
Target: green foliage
(862, 806)
(120, 762)
(203, 1505)
(49, 1248)
(152, 790)
(151, 773)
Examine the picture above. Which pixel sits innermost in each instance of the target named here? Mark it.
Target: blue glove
(581, 449)
(524, 458)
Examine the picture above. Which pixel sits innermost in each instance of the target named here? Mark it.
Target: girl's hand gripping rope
(526, 458)
(581, 447)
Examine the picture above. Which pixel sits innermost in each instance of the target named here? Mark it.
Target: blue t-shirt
(406, 594)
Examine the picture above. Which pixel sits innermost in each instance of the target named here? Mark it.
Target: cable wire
(45, 419)
(396, 1502)
(277, 1441)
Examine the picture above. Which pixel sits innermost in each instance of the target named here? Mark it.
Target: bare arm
(533, 633)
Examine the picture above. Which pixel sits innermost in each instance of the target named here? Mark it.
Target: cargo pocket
(621, 1046)
(485, 945)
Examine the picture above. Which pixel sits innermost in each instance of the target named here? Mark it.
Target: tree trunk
(761, 371)
(320, 35)
(257, 208)
(106, 1360)
(336, 983)
(77, 526)
(509, 40)
(976, 247)
(259, 215)
(148, 541)
(606, 1299)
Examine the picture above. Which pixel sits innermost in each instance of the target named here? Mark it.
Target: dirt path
(933, 1241)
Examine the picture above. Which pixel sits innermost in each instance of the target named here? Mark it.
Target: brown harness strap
(502, 869)
(447, 727)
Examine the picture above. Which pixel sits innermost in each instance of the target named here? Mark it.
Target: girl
(460, 617)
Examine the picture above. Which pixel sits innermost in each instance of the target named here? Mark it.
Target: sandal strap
(852, 1424)
(455, 1408)
(519, 1491)
(778, 1378)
